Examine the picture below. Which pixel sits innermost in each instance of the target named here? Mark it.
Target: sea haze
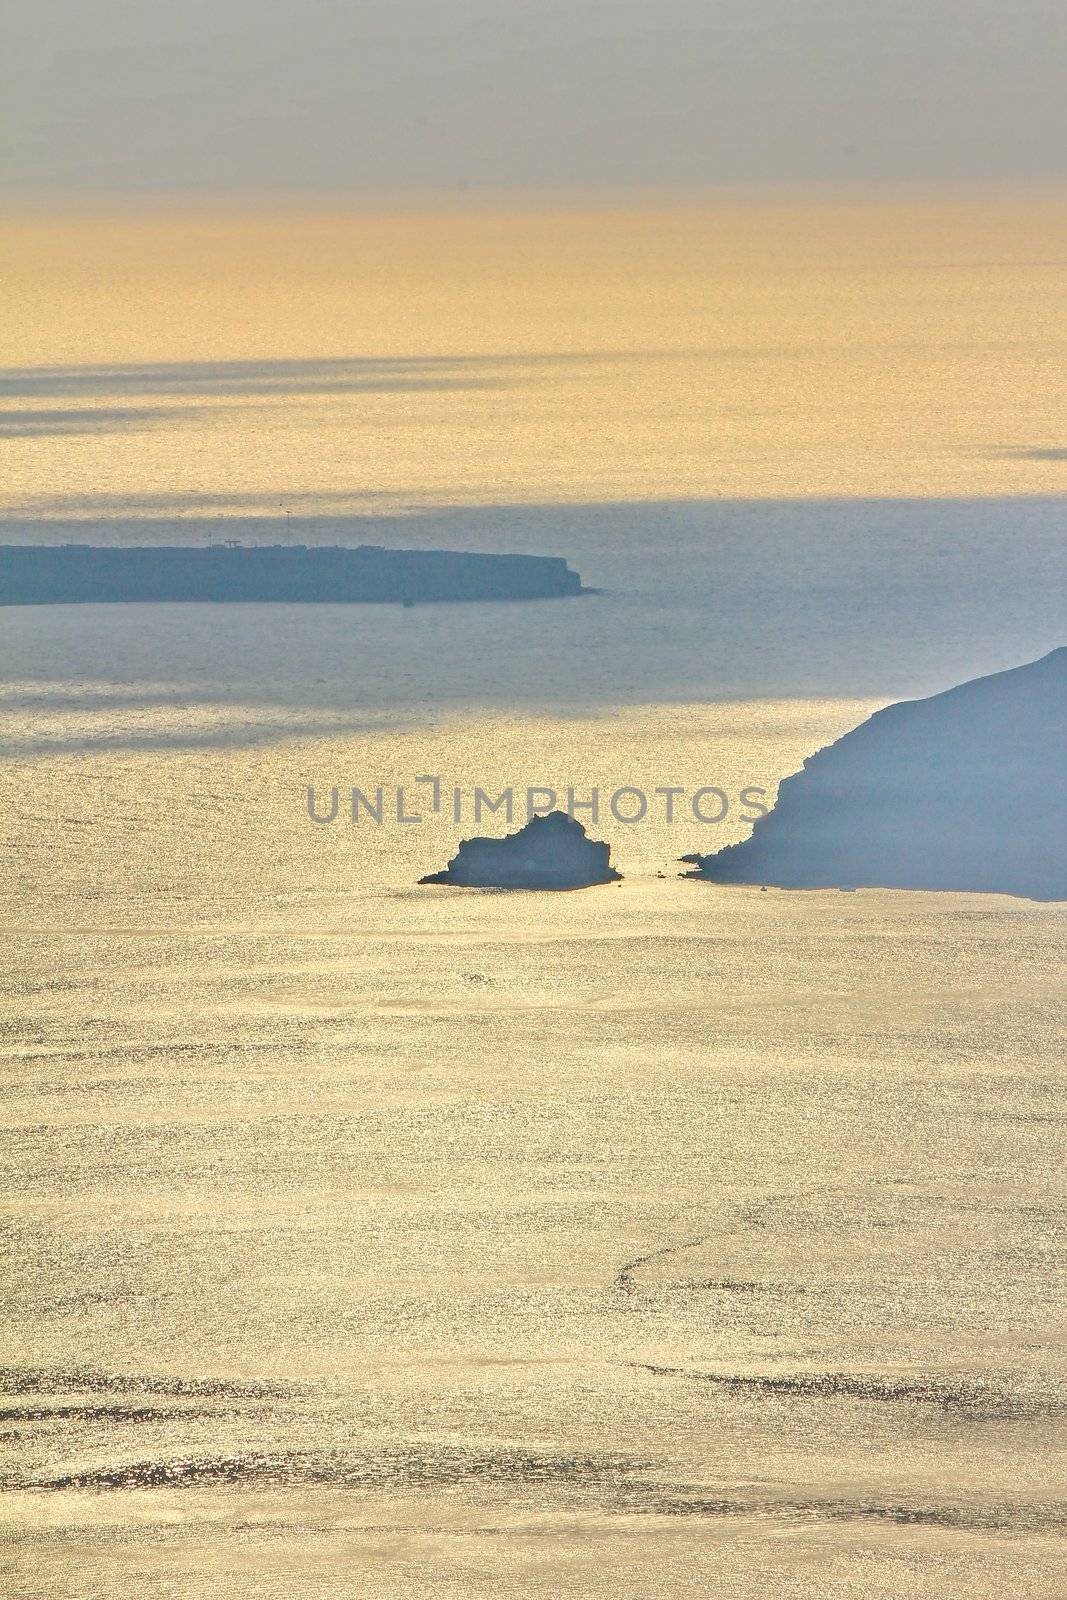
(460, 1243)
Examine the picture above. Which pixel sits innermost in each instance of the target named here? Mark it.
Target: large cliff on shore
(550, 852)
(966, 790)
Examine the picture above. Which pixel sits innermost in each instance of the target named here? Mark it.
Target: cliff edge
(966, 790)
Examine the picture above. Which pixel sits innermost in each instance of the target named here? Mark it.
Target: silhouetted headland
(966, 790)
(550, 852)
(68, 574)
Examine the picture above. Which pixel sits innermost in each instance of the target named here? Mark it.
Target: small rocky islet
(551, 852)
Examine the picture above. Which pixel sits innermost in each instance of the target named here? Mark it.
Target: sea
(363, 1238)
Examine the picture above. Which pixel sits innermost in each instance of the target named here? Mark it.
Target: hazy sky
(431, 93)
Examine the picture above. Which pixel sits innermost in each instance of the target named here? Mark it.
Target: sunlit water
(371, 1239)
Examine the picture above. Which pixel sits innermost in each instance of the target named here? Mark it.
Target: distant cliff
(550, 852)
(68, 574)
(966, 790)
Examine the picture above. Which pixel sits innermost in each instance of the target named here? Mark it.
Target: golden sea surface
(362, 1238)
(489, 354)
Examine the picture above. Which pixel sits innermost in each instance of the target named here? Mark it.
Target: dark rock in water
(551, 852)
(965, 791)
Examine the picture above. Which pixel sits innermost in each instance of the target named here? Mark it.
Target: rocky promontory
(550, 852)
(966, 790)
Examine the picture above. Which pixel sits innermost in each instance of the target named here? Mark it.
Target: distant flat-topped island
(83, 573)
